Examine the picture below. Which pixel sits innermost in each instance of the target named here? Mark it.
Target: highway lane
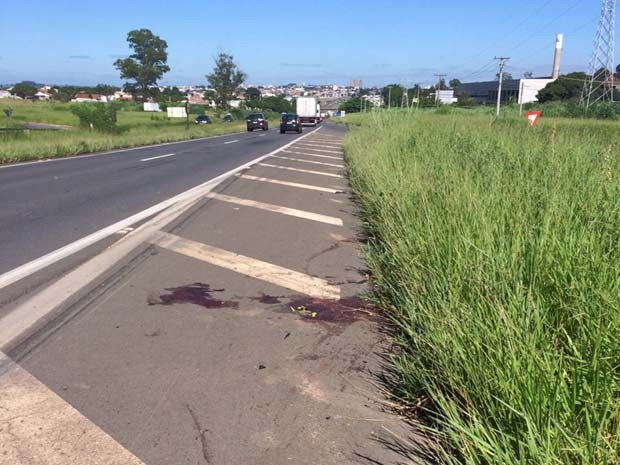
(46, 205)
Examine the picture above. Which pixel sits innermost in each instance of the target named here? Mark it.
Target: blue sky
(316, 41)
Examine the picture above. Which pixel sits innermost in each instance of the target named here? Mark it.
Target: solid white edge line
(160, 156)
(339, 152)
(231, 142)
(276, 209)
(44, 261)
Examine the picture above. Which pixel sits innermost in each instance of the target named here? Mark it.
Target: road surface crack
(202, 434)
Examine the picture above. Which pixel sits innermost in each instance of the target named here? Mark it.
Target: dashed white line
(299, 170)
(277, 209)
(231, 142)
(310, 144)
(160, 156)
(248, 266)
(289, 184)
(334, 165)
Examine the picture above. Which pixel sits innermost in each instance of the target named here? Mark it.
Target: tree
(104, 89)
(528, 75)
(354, 105)
(394, 97)
(507, 76)
(455, 83)
(23, 90)
(252, 93)
(568, 87)
(147, 64)
(171, 94)
(618, 69)
(225, 79)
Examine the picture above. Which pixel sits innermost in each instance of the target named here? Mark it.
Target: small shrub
(99, 116)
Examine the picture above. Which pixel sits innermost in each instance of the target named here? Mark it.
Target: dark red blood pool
(197, 294)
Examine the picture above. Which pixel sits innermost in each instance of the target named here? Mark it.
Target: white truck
(308, 110)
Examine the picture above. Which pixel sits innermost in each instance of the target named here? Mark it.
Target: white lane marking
(38, 264)
(289, 184)
(326, 138)
(111, 152)
(277, 209)
(309, 161)
(248, 266)
(322, 150)
(336, 201)
(262, 135)
(310, 144)
(13, 324)
(313, 155)
(39, 427)
(231, 142)
(288, 168)
(160, 156)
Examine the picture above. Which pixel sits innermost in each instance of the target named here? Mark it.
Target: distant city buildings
(356, 83)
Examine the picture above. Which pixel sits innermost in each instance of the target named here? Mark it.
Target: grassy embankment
(135, 128)
(496, 249)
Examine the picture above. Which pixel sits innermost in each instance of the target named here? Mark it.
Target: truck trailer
(308, 110)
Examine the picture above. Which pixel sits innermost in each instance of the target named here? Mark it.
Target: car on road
(227, 118)
(257, 121)
(203, 119)
(290, 122)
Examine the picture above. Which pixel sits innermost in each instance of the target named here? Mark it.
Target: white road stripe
(309, 161)
(40, 428)
(310, 144)
(231, 142)
(262, 135)
(277, 209)
(38, 264)
(336, 201)
(289, 184)
(248, 266)
(322, 150)
(299, 170)
(160, 156)
(313, 155)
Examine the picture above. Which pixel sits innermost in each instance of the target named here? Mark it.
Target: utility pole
(418, 103)
(389, 97)
(502, 64)
(439, 79)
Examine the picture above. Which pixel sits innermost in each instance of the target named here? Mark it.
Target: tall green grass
(496, 249)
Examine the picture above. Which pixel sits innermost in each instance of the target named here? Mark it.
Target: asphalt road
(46, 205)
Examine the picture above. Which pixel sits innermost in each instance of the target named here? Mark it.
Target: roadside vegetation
(495, 249)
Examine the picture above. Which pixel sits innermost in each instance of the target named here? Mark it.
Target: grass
(495, 249)
(135, 129)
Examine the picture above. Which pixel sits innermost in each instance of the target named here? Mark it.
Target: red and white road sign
(533, 117)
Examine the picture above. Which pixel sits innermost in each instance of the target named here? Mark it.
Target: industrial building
(513, 90)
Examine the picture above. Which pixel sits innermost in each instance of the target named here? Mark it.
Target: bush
(99, 116)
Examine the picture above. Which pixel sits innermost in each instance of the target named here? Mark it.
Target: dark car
(290, 122)
(257, 121)
(203, 119)
(227, 118)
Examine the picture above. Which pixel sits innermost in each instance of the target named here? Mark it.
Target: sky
(313, 42)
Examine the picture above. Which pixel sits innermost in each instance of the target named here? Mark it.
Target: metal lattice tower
(599, 85)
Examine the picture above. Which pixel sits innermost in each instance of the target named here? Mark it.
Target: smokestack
(559, 43)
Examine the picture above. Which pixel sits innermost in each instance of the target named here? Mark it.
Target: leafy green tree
(225, 79)
(104, 89)
(252, 93)
(528, 74)
(567, 87)
(455, 83)
(147, 64)
(507, 76)
(354, 105)
(393, 97)
(99, 116)
(23, 90)
(276, 104)
(171, 94)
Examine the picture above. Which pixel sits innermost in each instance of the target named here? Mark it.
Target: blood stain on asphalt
(346, 310)
(197, 294)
